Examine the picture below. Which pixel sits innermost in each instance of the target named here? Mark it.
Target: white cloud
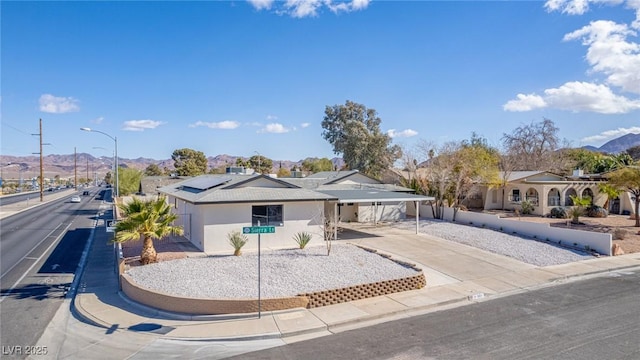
(309, 8)
(583, 96)
(271, 117)
(577, 97)
(274, 128)
(576, 7)
(611, 134)
(525, 103)
(98, 120)
(58, 105)
(612, 58)
(227, 124)
(141, 125)
(611, 54)
(404, 133)
(304, 125)
(261, 4)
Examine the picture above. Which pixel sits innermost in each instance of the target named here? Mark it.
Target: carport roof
(355, 196)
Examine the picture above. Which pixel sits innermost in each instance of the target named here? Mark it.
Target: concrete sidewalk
(456, 275)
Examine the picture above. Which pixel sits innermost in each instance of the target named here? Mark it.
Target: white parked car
(76, 199)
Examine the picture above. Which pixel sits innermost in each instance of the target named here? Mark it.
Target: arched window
(588, 193)
(553, 198)
(567, 197)
(532, 196)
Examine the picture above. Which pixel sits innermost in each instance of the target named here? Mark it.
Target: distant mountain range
(86, 165)
(617, 145)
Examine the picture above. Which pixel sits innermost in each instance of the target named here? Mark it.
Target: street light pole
(115, 140)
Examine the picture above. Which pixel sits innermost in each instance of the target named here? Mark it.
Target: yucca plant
(302, 239)
(237, 240)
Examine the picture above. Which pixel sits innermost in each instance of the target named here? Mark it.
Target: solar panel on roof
(206, 183)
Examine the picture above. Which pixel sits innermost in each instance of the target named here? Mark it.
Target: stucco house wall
(216, 221)
(542, 202)
(385, 211)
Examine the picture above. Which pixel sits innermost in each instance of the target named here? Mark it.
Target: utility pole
(87, 169)
(41, 166)
(75, 167)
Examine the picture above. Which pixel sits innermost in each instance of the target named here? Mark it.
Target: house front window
(515, 195)
(267, 215)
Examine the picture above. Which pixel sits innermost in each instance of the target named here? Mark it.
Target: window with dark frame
(267, 215)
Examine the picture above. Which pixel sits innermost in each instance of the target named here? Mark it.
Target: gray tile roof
(332, 175)
(237, 188)
(348, 196)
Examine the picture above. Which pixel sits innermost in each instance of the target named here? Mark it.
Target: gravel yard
(283, 273)
(524, 249)
(289, 272)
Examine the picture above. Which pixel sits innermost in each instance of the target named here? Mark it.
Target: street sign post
(110, 224)
(259, 230)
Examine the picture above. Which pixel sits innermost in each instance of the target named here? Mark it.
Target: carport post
(335, 219)
(417, 217)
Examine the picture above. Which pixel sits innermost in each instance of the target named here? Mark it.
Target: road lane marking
(35, 262)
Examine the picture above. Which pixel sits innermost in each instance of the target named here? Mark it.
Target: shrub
(237, 240)
(575, 213)
(302, 239)
(559, 213)
(597, 211)
(527, 207)
(619, 234)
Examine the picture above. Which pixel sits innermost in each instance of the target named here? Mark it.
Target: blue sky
(240, 78)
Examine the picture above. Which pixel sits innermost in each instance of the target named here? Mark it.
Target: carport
(374, 197)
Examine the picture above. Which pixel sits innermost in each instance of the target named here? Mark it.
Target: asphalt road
(597, 318)
(40, 250)
(31, 195)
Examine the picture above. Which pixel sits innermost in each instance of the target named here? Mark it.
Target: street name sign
(259, 230)
(111, 225)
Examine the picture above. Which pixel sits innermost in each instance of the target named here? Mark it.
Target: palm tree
(149, 219)
(611, 192)
(578, 210)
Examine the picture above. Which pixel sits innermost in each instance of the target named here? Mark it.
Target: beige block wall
(199, 306)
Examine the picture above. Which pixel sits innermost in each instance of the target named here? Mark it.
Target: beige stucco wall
(543, 207)
(204, 306)
(386, 211)
(216, 221)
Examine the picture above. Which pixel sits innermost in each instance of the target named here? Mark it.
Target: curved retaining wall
(206, 306)
(336, 296)
(203, 306)
(200, 306)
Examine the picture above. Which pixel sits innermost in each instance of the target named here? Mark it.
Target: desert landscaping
(622, 228)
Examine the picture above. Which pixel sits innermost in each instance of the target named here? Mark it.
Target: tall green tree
(149, 220)
(129, 180)
(152, 170)
(354, 131)
(260, 164)
(314, 165)
(189, 162)
(628, 179)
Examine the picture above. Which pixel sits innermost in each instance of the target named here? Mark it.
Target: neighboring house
(149, 185)
(373, 201)
(212, 206)
(545, 191)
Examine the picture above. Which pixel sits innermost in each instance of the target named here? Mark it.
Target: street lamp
(113, 163)
(115, 140)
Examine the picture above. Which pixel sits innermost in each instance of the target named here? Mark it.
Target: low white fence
(588, 240)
